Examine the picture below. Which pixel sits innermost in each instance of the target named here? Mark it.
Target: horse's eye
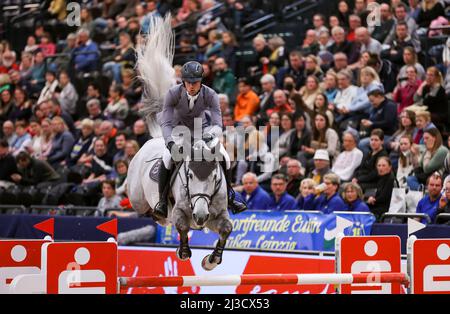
(191, 176)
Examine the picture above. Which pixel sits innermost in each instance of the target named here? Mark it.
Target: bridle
(207, 197)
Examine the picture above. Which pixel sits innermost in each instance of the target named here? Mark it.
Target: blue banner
(274, 230)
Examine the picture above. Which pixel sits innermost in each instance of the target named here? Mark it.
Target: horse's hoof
(184, 255)
(207, 265)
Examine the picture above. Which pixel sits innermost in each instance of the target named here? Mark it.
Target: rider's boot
(160, 211)
(235, 206)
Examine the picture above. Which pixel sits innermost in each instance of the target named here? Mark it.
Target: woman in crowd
(312, 67)
(354, 198)
(84, 143)
(379, 202)
(423, 123)
(408, 159)
(121, 169)
(323, 137)
(429, 11)
(431, 160)
(310, 91)
(407, 126)
(274, 122)
(42, 136)
(123, 55)
(117, 109)
(22, 106)
(305, 199)
(406, 88)
(277, 58)
(330, 86)
(321, 106)
(366, 174)
(131, 149)
(432, 94)
(410, 59)
(229, 48)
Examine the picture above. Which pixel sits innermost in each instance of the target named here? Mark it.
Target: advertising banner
(278, 231)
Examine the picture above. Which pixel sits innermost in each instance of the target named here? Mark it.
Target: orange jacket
(246, 104)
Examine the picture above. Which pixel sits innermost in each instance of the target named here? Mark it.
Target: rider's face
(193, 88)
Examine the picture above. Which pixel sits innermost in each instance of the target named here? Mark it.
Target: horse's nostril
(207, 217)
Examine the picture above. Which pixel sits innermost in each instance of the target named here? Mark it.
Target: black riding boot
(235, 206)
(160, 211)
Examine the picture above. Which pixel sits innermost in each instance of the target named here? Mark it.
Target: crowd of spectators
(357, 111)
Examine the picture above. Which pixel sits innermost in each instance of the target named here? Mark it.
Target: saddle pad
(154, 172)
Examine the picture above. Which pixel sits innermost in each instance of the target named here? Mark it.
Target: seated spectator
(312, 67)
(321, 107)
(51, 84)
(8, 62)
(321, 166)
(410, 58)
(310, 91)
(431, 160)
(408, 159)
(8, 165)
(121, 140)
(6, 105)
(367, 175)
(386, 23)
(110, 199)
(444, 201)
(343, 45)
(379, 202)
(273, 125)
(84, 142)
(93, 92)
(132, 88)
(345, 97)
(117, 109)
(86, 54)
(354, 198)
(400, 42)
(52, 108)
(329, 200)
(107, 132)
(266, 101)
(295, 70)
(407, 126)
(423, 123)
(22, 106)
(247, 102)
(366, 42)
(383, 115)
(68, 95)
(131, 149)
(429, 11)
(23, 138)
(406, 88)
(41, 142)
(277, 59)
(350, 158)
(432, 94)
(253, 194)
(9, 133)
(401, 15)
(281, 103)
(295, 173)
(323, 137)
(305, 200)
(310, 44)
(32, 171)
(94, 110)
(330, 86)
(62, 143)
(281, 200)
(47, 46)
(140, 134)
(385, 69)
(124, 55)
(430, 203)
(224, 79)
(99, 163)
(121, 169)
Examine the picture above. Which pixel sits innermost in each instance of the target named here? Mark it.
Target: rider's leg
(163, 185)
(235, 206)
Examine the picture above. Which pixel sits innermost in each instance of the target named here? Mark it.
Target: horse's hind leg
(183, 251)
(223, 227)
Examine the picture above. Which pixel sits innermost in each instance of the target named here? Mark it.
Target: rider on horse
(183, 103)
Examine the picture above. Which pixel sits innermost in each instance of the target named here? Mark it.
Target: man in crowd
(255, 196)
(281, 200)
(430, 203)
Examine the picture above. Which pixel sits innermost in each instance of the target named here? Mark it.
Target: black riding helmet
(192, 72)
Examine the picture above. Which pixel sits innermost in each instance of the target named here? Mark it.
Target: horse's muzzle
(200, 220)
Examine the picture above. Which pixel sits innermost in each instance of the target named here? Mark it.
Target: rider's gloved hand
(178, 148)
(207, 137)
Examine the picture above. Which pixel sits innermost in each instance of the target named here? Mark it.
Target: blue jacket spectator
(86, 55)
(306, 203)
(281, 200)
(62, 143)
(353, 197)
(383, 114)
(255, 196)
(430, 203)
(305, 200)
(330, 200)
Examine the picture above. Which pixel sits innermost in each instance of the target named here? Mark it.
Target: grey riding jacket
(176, 112)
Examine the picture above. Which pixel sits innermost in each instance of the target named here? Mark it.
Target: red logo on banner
(81, 267)
(431, 266)
(19, 258)
(370, 255)
(47, 226)
(262, 264)
(137, 263)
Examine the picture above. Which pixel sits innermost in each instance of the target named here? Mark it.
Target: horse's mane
(154, 63)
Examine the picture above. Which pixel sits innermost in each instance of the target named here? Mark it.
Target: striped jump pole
(263, 279)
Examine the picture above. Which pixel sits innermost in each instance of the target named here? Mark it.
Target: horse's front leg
(223, 227)
(182, 224)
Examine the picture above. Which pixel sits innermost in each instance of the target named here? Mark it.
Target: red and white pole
(264, 279)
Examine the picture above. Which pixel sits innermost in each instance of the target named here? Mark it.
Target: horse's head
(203, 183)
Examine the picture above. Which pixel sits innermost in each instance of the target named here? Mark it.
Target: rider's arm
(216, 115)
(167, 117)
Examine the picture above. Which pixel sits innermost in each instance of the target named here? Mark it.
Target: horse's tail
(154, 64)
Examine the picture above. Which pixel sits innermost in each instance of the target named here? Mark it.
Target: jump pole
(263, 279)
